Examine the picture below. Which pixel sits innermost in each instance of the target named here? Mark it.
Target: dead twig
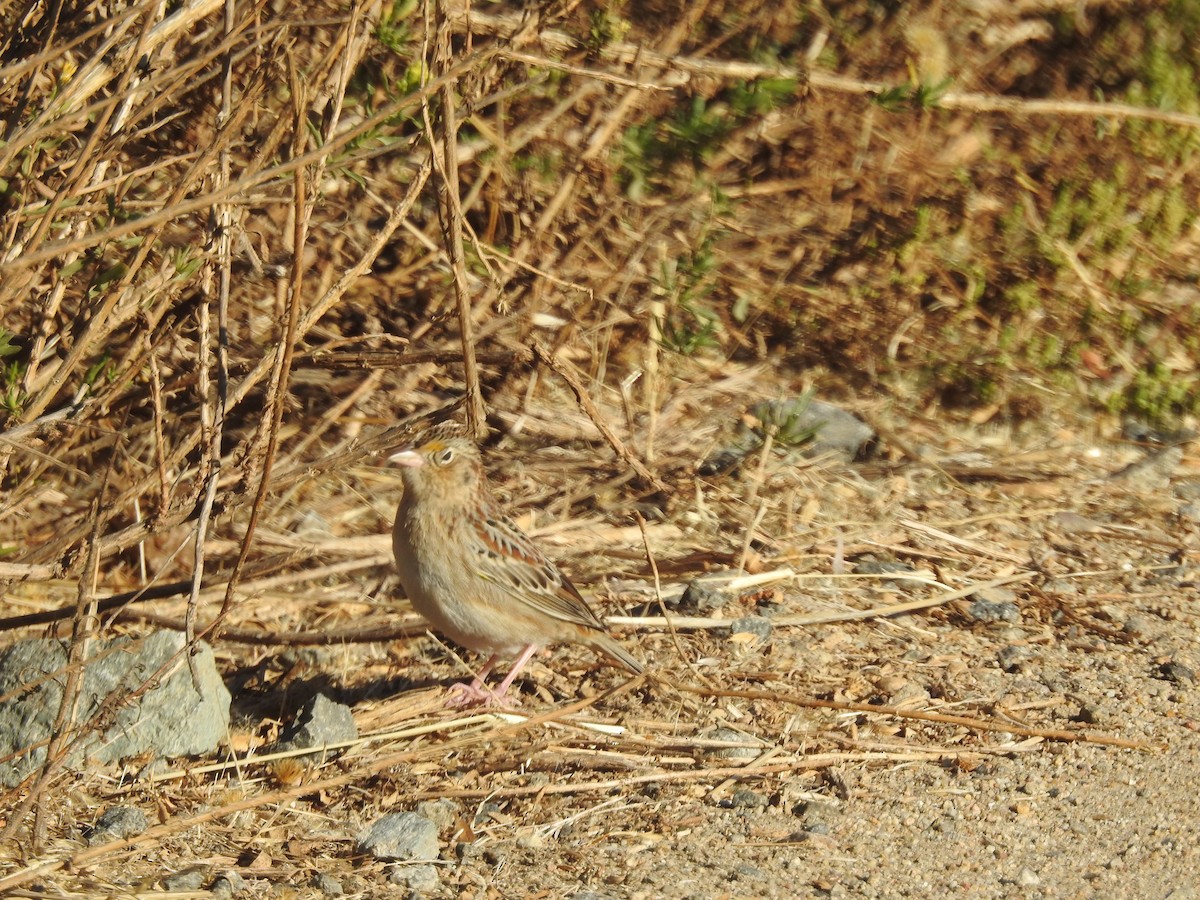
(589, 407)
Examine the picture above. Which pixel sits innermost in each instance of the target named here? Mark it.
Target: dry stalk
(679, 70)
(942, 718)
(588, 406)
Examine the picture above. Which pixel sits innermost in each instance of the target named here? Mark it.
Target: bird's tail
(611, 648)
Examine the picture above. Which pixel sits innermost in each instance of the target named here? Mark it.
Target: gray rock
(702, 597)
(320, 723)
(417, 878)
(744, 798)
(1012, 657)
(187, 880)
(1176, 672)
(982, 610)
(811, 426)
(732, 737)
(758, 626)
(1151, 471)
(402, 836)
(443, 812)
(328, 885)
(819, 428)
(228, 884)
(117, 822)
(169, 719)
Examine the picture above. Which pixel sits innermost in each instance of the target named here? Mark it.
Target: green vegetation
(694, 130)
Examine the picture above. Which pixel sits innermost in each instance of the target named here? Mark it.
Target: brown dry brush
(232, 234)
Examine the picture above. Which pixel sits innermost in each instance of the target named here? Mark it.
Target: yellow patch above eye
(433, 446)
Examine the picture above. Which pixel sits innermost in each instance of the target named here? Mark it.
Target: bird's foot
(465, 696)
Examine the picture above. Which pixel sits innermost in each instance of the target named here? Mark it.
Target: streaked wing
(506, 557)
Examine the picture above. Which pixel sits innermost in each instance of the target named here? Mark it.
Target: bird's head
(442, 464)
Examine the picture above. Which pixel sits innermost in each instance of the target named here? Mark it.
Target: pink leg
(525, 656)
(476, 694)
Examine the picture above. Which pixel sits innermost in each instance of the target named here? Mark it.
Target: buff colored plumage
(473, 574)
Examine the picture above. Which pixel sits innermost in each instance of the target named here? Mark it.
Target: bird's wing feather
(507, 558)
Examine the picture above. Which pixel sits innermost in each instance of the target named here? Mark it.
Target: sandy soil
(1057, 756)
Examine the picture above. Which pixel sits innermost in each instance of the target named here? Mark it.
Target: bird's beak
(410, 458)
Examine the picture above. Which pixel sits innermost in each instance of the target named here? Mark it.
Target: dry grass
(232, 237)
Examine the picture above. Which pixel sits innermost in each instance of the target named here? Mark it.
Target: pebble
(117, 822)
(188, 880)
(758, 626)
(744, 798)
(403, 836)
(701, 597)
(228, 884)
(1176, 672)
(328, 885)
(443, 812)
(1012, 657)
(415, 878)
(1028, 878)
(987, 611)
(319, 723)
(731, 736)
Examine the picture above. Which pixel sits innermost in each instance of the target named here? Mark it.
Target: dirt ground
(236, 259)
(1057, 756)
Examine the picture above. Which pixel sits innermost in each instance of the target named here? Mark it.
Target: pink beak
(410, 458)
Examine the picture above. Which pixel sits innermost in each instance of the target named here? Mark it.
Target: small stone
(489, 811)
(1151, 471)
(747, 872)
(1028, 878)
(1088, 715)
(328, 885)
(819, 428)
(1012, 657)
(728, 735)
(746, 799)
(415, 878)
(117, 822)
(1176, 672)
(989, 609)
(443, 812)
(228, 884)
(320, 723)
(758, 626)
(721, 462)
(188, 880)
(702, 597)
(402, 836)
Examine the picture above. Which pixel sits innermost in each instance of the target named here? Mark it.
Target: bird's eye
(443, 457)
